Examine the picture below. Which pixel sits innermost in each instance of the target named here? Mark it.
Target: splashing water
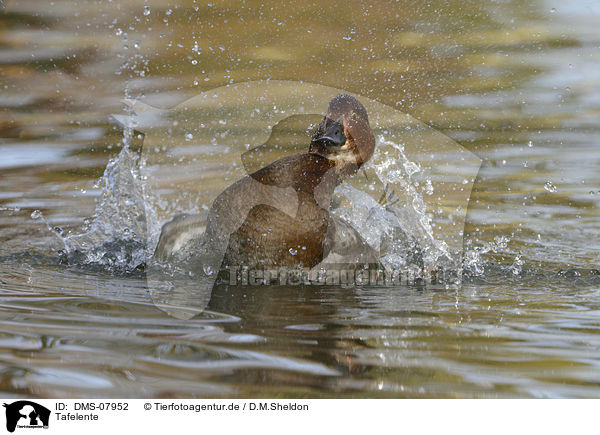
(400, 228)
(474, 263)
(114, 238)
(37, 214)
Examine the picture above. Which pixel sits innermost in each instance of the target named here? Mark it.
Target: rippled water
(518, 86)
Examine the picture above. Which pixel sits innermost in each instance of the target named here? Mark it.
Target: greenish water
(516, 84)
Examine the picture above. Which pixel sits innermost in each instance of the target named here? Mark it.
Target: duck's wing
(346, 245)
(178, 233)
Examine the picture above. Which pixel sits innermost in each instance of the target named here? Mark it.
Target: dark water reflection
(518, 85)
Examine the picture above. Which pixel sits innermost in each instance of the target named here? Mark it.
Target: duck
(280, 215)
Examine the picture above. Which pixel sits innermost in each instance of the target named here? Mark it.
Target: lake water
(516, 87)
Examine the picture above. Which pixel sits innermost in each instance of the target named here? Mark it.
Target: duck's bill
(329, 138)
(325, 146)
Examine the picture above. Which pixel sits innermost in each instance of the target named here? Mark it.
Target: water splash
(114, 238)
(474, 262)
(57, 231)
(398, 227)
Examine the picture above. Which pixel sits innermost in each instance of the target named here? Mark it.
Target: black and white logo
(26, 414)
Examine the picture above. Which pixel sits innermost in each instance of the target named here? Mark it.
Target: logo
(26, 414)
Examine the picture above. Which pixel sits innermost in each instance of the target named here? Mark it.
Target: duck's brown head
(344, 135)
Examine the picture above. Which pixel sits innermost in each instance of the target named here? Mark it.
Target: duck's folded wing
(347, 245)
(178, 233)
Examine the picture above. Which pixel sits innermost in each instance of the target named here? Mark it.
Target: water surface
(517, 85)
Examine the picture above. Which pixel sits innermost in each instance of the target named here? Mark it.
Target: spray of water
(399, 228)
(113, 239)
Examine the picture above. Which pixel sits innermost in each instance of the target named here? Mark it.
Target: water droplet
(550, 187)
(36, 214)
(207, 269)
(137, 45)
(194, 62)
(429, 187)
(553, 10)
(411, 168)
(222, 47)
(169, 11)
(517, 266)
(189, 136)
(119, 32)
(146, 10)
(293, 251)
(530, 144)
